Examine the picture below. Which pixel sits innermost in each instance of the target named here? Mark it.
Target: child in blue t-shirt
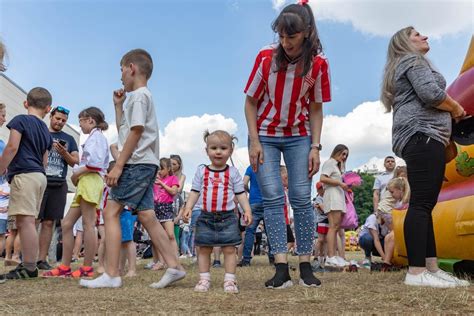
(25, 156)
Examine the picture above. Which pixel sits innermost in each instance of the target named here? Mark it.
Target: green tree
(363, 202)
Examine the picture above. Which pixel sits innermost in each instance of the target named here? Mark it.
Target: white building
(13, 97)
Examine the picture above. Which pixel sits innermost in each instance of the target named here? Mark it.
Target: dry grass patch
(341, 292)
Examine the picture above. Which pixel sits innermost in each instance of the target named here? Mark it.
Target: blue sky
(203, 52)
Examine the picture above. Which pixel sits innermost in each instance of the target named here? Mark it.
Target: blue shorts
(217, 229)
(135, 187)
(127, 223)
(3, 226)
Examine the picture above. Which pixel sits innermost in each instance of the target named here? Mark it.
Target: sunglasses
(60, 109)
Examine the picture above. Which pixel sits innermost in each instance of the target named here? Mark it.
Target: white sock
(205, 276)
(103, 281)
(229, 277)
(171, 275)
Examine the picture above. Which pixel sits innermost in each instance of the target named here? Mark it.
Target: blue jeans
(295, 152)
(257, 213)
(366, 242)
(186, 241)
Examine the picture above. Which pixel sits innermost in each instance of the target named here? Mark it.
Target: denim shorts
(135, 187)
(127, 224)
(3, 226)
(164, 212)
(217, 229)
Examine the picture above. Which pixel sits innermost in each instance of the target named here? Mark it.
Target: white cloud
(376, 163)
(384, 17)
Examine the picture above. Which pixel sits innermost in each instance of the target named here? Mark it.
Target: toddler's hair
(141, 58)
(222, 135)
(400, 183)
(166, 163)
(97, 115)
(2, 106)
(39, 98)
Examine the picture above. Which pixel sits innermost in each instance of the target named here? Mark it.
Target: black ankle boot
(281, 279)
(307, 277)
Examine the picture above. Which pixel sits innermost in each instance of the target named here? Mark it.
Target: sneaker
(150, 265)
(450, 278)
(243, 264)
(307, 277)
(333, 262)
(59, 271)
(20, 272)
(104, 281)
(83, 272)
(317, 267)
(366, 264)
(389, 268)
(342, 261)
(427, 279)
(202, 286)
(43, 265)
(230, 286)
(171, 275)
(281, 279)
(216, 264)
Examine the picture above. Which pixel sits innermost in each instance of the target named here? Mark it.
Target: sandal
(59, 271)
(202, 286)
(83, 272)
(230, 286)
(159, 266)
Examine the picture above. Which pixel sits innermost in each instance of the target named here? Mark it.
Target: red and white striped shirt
(218, 188)
(284, 96)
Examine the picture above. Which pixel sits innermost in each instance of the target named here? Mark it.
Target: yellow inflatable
(453, 216)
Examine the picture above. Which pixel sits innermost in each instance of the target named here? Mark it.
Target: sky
(203, 52)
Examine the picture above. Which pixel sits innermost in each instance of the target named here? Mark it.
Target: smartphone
(62, 142)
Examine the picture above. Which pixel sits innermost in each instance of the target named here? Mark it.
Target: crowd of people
(283, 107)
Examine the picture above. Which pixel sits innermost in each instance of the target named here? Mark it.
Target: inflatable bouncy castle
(453, 216)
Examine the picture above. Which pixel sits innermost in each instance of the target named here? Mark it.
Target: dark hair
(338, 149)
(388, 157)
(223, 135)
(39, 98)
(166, 162)
(97, 115)
(293, 19)
(141, 58)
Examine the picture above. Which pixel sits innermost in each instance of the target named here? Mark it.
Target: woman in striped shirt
(285, 91)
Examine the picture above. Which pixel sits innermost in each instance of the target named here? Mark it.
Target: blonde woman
(422, 113)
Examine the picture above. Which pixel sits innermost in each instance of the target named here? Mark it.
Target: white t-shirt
(140, 111)
(381, 181)
(371, 223)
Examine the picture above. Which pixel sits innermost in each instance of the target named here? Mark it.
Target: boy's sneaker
(83, 272)
(306, 276)
(59, 271)
(171, 275)
(333, 262)
(216, 264)
(427, 279)
(281, 279)
(20, 272)
(243, 263)
(104, 281)
(316, 266)
(342, 261)
(43, 265)
(450, 278)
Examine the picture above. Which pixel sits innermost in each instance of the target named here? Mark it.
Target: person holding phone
(63, 153)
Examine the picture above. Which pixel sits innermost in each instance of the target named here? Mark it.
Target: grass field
(341, 292)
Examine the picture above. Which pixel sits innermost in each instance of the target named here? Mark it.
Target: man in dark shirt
(63, 153)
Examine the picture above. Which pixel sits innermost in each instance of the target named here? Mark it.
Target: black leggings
(425, 161)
